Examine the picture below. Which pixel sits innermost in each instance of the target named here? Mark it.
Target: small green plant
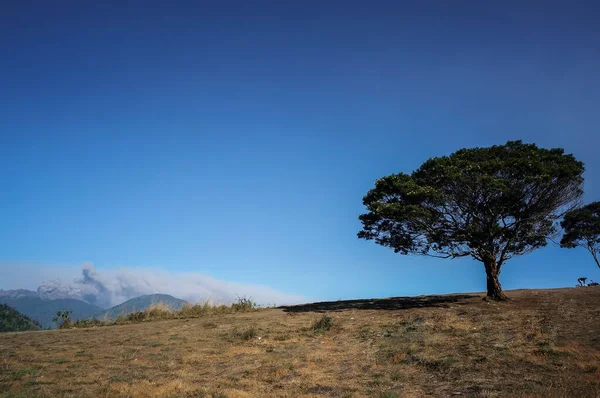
(21, 373)
(322, 324)
(63, 319)
(243, 304)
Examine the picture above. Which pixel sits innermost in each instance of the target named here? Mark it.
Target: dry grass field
(541, 343)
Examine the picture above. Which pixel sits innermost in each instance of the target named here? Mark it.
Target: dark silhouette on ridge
(392, 303)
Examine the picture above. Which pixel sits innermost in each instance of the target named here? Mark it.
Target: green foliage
(12, 320)
(322, 324)
(582, 229)
(488, 203)
(63, 319)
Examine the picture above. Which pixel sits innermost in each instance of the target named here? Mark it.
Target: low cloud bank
(111, 287)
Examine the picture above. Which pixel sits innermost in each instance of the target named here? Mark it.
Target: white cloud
(110, 287)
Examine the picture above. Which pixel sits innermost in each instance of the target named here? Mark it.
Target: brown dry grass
(542, 343)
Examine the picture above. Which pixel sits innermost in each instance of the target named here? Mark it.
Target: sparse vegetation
(63, 319)
(243, 304)
(248, 334)
(323, 324)
(160, 311)
(439, 346)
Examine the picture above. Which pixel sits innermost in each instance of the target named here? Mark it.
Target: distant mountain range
(18, 293)
(143, 302)
(42, 310)
(12, 320)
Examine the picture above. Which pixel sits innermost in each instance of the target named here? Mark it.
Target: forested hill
(12, 320)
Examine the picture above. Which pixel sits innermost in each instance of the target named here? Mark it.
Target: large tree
(582, 229)
(488, 203)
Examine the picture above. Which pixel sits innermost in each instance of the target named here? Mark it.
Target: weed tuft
(322, 324)
(248, 334)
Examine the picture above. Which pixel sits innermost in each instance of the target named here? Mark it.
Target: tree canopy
(582, 229)
(489, 203)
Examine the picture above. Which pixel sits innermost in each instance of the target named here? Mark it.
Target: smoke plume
(112, 287)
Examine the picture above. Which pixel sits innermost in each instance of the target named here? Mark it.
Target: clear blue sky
(237, 139)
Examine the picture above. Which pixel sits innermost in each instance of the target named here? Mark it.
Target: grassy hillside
(142, 303)
(541, 343)
(12, 320)
(43, 311)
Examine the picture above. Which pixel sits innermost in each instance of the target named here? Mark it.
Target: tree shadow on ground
(392, 303)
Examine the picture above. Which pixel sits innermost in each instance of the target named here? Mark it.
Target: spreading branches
(488, 203)
(582, 229)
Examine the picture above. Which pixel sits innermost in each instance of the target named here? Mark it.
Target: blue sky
(237, 139)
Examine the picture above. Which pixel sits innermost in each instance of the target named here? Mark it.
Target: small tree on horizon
(582, 229)
(491, 204)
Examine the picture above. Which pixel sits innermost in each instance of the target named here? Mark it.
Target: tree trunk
(595, 258)
(494, 289)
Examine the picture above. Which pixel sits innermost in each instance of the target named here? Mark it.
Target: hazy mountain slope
(12, 320)
(143, 302)
(44, 310)
(17, 293)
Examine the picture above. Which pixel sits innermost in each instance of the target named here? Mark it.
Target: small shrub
(87, 323)
(322, 324)
(243, 304)
(282, 337)
(138, 316)
(248, 334)
(63, 319)
(158, 311)
(546, 348)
